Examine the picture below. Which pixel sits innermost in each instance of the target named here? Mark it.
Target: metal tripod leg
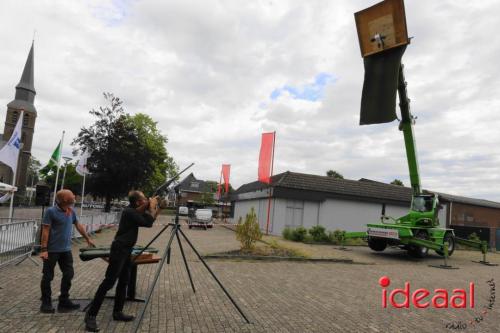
(157, 275)
(185, 261)
(215, 277)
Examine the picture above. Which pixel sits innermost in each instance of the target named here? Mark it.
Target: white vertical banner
(83, 170)
(9, 155)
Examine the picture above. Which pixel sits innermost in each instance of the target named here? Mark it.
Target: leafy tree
(334, 174)
(33, 170)
(397, 182)
(207, 199)
(161, 163)
(125, 152)
(72, 180)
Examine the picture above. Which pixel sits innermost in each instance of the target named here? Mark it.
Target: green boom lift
(383, 39)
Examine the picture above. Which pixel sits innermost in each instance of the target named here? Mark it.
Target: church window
(15, 115)
(26, 120)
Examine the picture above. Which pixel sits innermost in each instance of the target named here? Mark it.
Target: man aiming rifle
(140, 213)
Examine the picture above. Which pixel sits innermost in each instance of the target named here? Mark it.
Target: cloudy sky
(216, 74)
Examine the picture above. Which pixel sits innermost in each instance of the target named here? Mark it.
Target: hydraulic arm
(406, 125)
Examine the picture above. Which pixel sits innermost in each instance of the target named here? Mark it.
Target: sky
(215, 75)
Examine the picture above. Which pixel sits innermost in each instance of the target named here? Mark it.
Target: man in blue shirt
(57, 227)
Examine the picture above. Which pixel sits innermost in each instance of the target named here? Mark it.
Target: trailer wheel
(377, 244)
(448, 237)
(419, 251)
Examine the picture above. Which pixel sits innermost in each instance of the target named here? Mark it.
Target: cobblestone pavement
(276, 296)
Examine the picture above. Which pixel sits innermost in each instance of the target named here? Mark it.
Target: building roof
(25, 89)
(318, 188)
(28, 77)
(191, 184)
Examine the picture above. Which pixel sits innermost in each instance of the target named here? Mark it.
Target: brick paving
(276, 296)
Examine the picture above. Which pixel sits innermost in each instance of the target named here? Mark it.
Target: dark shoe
(120, 316)
(47, 308)
(66, 305)
(90, 323)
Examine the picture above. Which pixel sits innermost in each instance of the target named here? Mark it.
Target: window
(26, 120)
(195, 185)
(294, 213)
(15, 115)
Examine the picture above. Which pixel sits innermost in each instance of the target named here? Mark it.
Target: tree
(125, 152)
(397, 182)
(334, 174)
(207, 199)
(72, 180)
(33, 170)
(161, 163)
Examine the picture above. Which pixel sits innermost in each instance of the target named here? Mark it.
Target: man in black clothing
(140, 213)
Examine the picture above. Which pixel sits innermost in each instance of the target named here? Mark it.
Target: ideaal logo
(440, 299)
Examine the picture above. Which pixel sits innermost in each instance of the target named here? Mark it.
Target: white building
(307, 200)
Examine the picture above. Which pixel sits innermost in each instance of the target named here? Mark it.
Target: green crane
(383, 39)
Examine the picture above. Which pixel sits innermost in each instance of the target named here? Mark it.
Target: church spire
(28, 78)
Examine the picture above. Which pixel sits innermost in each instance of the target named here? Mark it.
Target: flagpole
(83, 194)
(57, 173)
(11, 207)
(269, 199)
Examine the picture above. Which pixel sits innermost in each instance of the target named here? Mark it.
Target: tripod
(174, 233)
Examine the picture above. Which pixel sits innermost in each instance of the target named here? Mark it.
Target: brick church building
(23, 100)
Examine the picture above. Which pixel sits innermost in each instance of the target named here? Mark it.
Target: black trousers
(118, 269)
(65, 261)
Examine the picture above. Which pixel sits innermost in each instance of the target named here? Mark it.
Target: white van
(183, 210)
(202, 218)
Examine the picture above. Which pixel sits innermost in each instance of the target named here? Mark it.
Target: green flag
(56, 156)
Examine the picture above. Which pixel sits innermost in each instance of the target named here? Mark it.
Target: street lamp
(66, 159)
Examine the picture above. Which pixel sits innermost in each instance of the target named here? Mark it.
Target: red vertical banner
(226, 169)
(266, 157)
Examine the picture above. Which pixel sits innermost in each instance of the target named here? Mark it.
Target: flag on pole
(224, 174)
(226, 169)
(266, 157)
(81, 167)
(55, 158)
(9, 154)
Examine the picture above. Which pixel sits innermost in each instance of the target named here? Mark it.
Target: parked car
(202, 218)
(183, 210)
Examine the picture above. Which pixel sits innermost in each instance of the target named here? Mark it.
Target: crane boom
(406, 125)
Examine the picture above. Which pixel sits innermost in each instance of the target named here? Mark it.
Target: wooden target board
(381, 27)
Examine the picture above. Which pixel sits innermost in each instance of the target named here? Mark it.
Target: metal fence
(17, 240)
(94, 223)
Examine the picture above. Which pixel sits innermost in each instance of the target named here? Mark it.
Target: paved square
(276, 296)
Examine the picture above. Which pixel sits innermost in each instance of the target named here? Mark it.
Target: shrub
(336, 237)
(318, 233)
(474, 237)
(299, 234)
(248, 232)
(287, 233)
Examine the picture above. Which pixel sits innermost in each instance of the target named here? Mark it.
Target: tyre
(419, 251)
(190, 226)
(377, 244)
(448, 237)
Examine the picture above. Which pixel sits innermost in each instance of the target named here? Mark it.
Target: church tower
(24, 99)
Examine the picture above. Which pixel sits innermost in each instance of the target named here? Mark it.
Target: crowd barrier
(96, 222)
(17, 240)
